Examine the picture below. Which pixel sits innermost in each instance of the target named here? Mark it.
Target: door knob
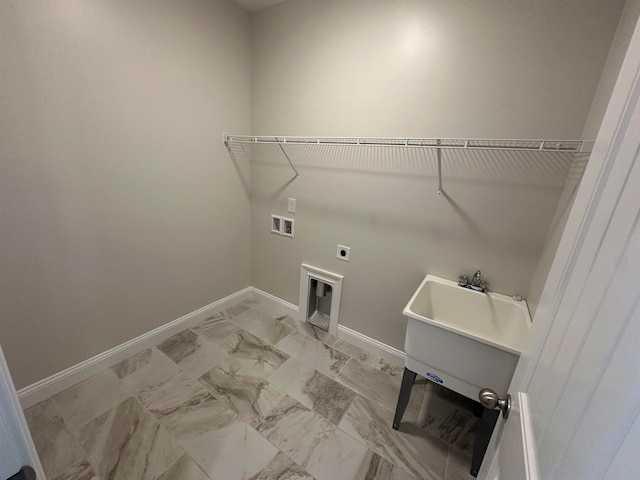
(490, 399)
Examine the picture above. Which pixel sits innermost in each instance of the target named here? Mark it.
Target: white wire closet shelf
(528, 145)
(569, 146)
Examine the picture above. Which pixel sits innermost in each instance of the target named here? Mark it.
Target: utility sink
(463, 339)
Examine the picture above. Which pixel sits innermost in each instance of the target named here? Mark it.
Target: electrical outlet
(276, 224)
(343, 253)
(292, 205)
(288, 225)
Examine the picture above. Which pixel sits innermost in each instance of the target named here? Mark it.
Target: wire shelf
(439, 144)
(568, 146)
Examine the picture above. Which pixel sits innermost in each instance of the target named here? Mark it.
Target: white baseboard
(371, 345)
(60, 381)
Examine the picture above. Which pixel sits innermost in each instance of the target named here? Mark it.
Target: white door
(576, 390)
(16, 446)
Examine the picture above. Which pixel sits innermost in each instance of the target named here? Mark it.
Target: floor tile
(371, 383)
(184, 469)
(57, 448)
(254, 356)
(315, 354)
(171, 398)
(466, 440)
(356, 352)
(147, 368)
(313, 389)
(250, 301)
(207, 415)
(265, 308)
(308, 329)
(411, 448)
(339, 457)
(215, 328)
(457, 429)
(88, 399)
(381, 469)
(78, 471)
(262, 326)
(450, 418)
(185, 407)
(458, 465)
(192, 353)
(376, 385)
(315, 444)
(295, 429)
(251, 398)
(369, 358)
(127, 442)
(399, 474)
(283, 468)
(235, 310)
(234, 452)
(253, 394)
(391, 368)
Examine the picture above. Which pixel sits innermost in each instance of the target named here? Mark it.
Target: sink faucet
(476, 283)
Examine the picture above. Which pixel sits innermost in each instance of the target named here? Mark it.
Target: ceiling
(255, 5)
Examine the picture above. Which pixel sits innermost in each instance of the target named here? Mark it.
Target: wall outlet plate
(288, 227)
(276, 224)
(292, 205)
(343, 253)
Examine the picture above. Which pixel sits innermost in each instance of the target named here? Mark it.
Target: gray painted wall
(119, 206)
(502, 69)
(121, 210)
(618, 49)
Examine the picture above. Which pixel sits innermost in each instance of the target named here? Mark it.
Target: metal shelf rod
(288, 160)
(439, 152)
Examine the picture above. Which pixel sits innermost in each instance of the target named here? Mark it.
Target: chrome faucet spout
(476, 282)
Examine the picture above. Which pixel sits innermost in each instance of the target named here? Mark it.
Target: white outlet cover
(276, 224)
(292, 205)
(288, 227)
(343, 253)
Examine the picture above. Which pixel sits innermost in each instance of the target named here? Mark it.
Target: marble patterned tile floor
(251, 394)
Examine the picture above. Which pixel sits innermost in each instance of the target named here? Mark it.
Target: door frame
(13, 425)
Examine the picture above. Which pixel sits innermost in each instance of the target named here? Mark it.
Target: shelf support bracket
(288, 159)
(439, 153)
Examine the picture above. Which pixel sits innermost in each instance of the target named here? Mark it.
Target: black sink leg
(408, 379)
(484, 431)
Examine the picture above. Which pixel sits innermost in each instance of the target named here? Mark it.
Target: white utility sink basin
(463, 339)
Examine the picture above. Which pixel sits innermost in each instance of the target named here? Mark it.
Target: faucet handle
(463, 279)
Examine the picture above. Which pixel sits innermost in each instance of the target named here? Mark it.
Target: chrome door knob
(490, 399)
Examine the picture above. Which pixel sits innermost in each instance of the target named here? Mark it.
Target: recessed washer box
(320, 293)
